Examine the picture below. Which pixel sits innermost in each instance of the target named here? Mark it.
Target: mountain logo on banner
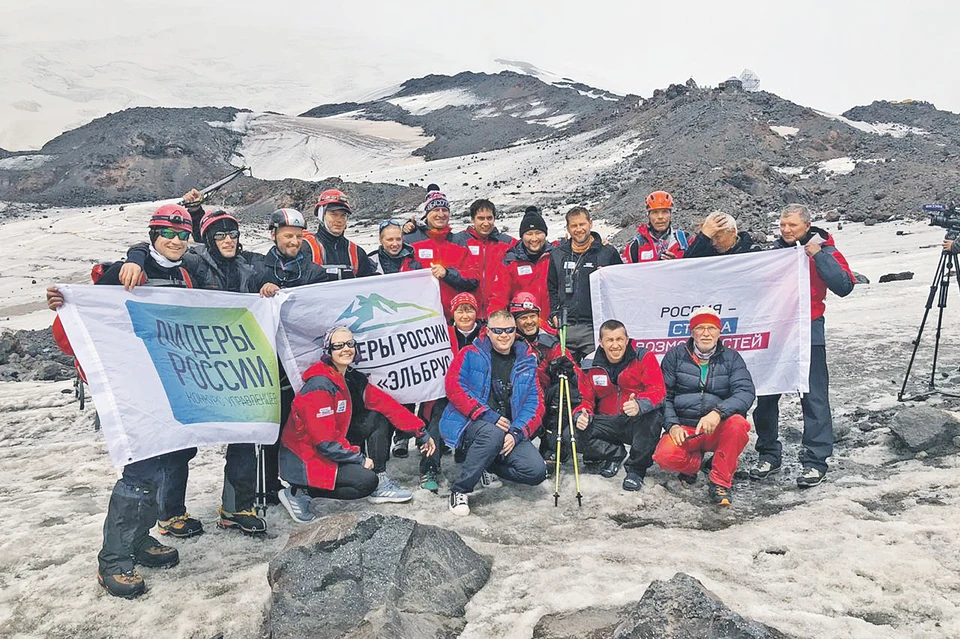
(370, 312)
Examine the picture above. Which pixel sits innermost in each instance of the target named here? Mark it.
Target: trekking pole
(556, 473)
(573, 446)
(260, 501)
(219, 184)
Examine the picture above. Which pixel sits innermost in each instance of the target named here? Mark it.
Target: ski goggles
(496, 330)
(169, 234)
(337, 346)
(387, 223)
(222, 235)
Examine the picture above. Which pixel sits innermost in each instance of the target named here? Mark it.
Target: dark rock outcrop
(896, 277)
(370, 575)
(681, 608)
(927, 429)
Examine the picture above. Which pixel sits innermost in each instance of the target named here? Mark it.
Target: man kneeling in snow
(495, 407)
(709, 391)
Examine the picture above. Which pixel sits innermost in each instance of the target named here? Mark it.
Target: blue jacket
(468, 389)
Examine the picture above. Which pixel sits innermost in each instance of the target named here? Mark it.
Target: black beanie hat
(532, 221)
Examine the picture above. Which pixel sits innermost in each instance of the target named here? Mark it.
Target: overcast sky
(62, 63)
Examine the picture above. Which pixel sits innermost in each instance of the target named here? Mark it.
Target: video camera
(945, 216)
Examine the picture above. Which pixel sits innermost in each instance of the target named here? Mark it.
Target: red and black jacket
(432, 247)
(643, 247)
(486, 254)
(640, 376)
(314, 440)
(520, 272)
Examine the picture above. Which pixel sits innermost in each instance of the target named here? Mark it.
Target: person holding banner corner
(133, 507)
(828, 270)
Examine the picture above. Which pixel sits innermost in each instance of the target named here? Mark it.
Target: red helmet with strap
(524, 302)
(215, 216)
(171, 216)
(331, 199)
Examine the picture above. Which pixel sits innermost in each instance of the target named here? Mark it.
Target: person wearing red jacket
(525, 265)
(828, 270)
(335, 411)
(657, 239)
(622, 404)
(487, 246)
(449, 262)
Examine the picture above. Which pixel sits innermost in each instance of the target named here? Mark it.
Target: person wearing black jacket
(133, 507)
(339, 257)
(719, 236)
(394, 255)
(709, 391)
(568, 280)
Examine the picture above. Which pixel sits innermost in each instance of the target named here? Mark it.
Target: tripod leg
(937, 277)
(260, 503)
(942, 305)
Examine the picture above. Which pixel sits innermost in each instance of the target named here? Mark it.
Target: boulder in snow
(861, 278)
(681, 608)
(925, 429)
(371, 575)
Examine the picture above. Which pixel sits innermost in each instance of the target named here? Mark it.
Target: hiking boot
(720, 495)
(246, 521)
(487, 480)
(428, 481)
(297, 505)
(609, 468)
(632, 482)
(706, 466)
(459, 504)
(687, 481)
(389, 492)
(810, 477)
(128, 584)
(180, 526)
(400, 448)
(763, 470)
(153, 554)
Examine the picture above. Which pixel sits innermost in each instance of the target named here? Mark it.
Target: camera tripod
(949, 268)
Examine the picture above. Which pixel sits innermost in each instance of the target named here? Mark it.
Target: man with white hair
(828, 270)
(719, 236)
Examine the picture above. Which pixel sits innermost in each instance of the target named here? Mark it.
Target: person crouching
(709, 391)
(316, 457)
(495, 406)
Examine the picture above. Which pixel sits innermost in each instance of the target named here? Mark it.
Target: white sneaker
(389, 492)
(459, 504)
(297, 505)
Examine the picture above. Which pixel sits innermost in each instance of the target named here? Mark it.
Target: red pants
(727, 442)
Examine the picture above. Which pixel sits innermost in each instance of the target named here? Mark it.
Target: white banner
(397, 320)
(173, 368)
(763, 300)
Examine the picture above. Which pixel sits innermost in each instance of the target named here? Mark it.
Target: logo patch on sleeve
(342, 406)
(326, 411)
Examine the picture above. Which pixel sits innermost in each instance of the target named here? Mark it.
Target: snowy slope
(868, 555)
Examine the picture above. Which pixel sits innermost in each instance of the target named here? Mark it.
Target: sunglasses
(169, 234)
(387, 223)
(222, 235)
(336, 346)
(509, 330)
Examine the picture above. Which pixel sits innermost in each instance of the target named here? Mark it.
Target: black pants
(132, 512)
(353, 482)
(270, 464)
(371, 432)
(239, 478)
(604, 439)
(172, 483)
(817, 420)
(432, 462)
(580, 340)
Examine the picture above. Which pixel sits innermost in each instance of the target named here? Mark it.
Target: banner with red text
(763, 300)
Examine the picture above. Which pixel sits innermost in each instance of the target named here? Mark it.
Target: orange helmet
(659, 200)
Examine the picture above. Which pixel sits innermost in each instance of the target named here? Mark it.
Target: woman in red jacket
(316, 458)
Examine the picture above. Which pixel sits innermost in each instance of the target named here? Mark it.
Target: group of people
(520, 320)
